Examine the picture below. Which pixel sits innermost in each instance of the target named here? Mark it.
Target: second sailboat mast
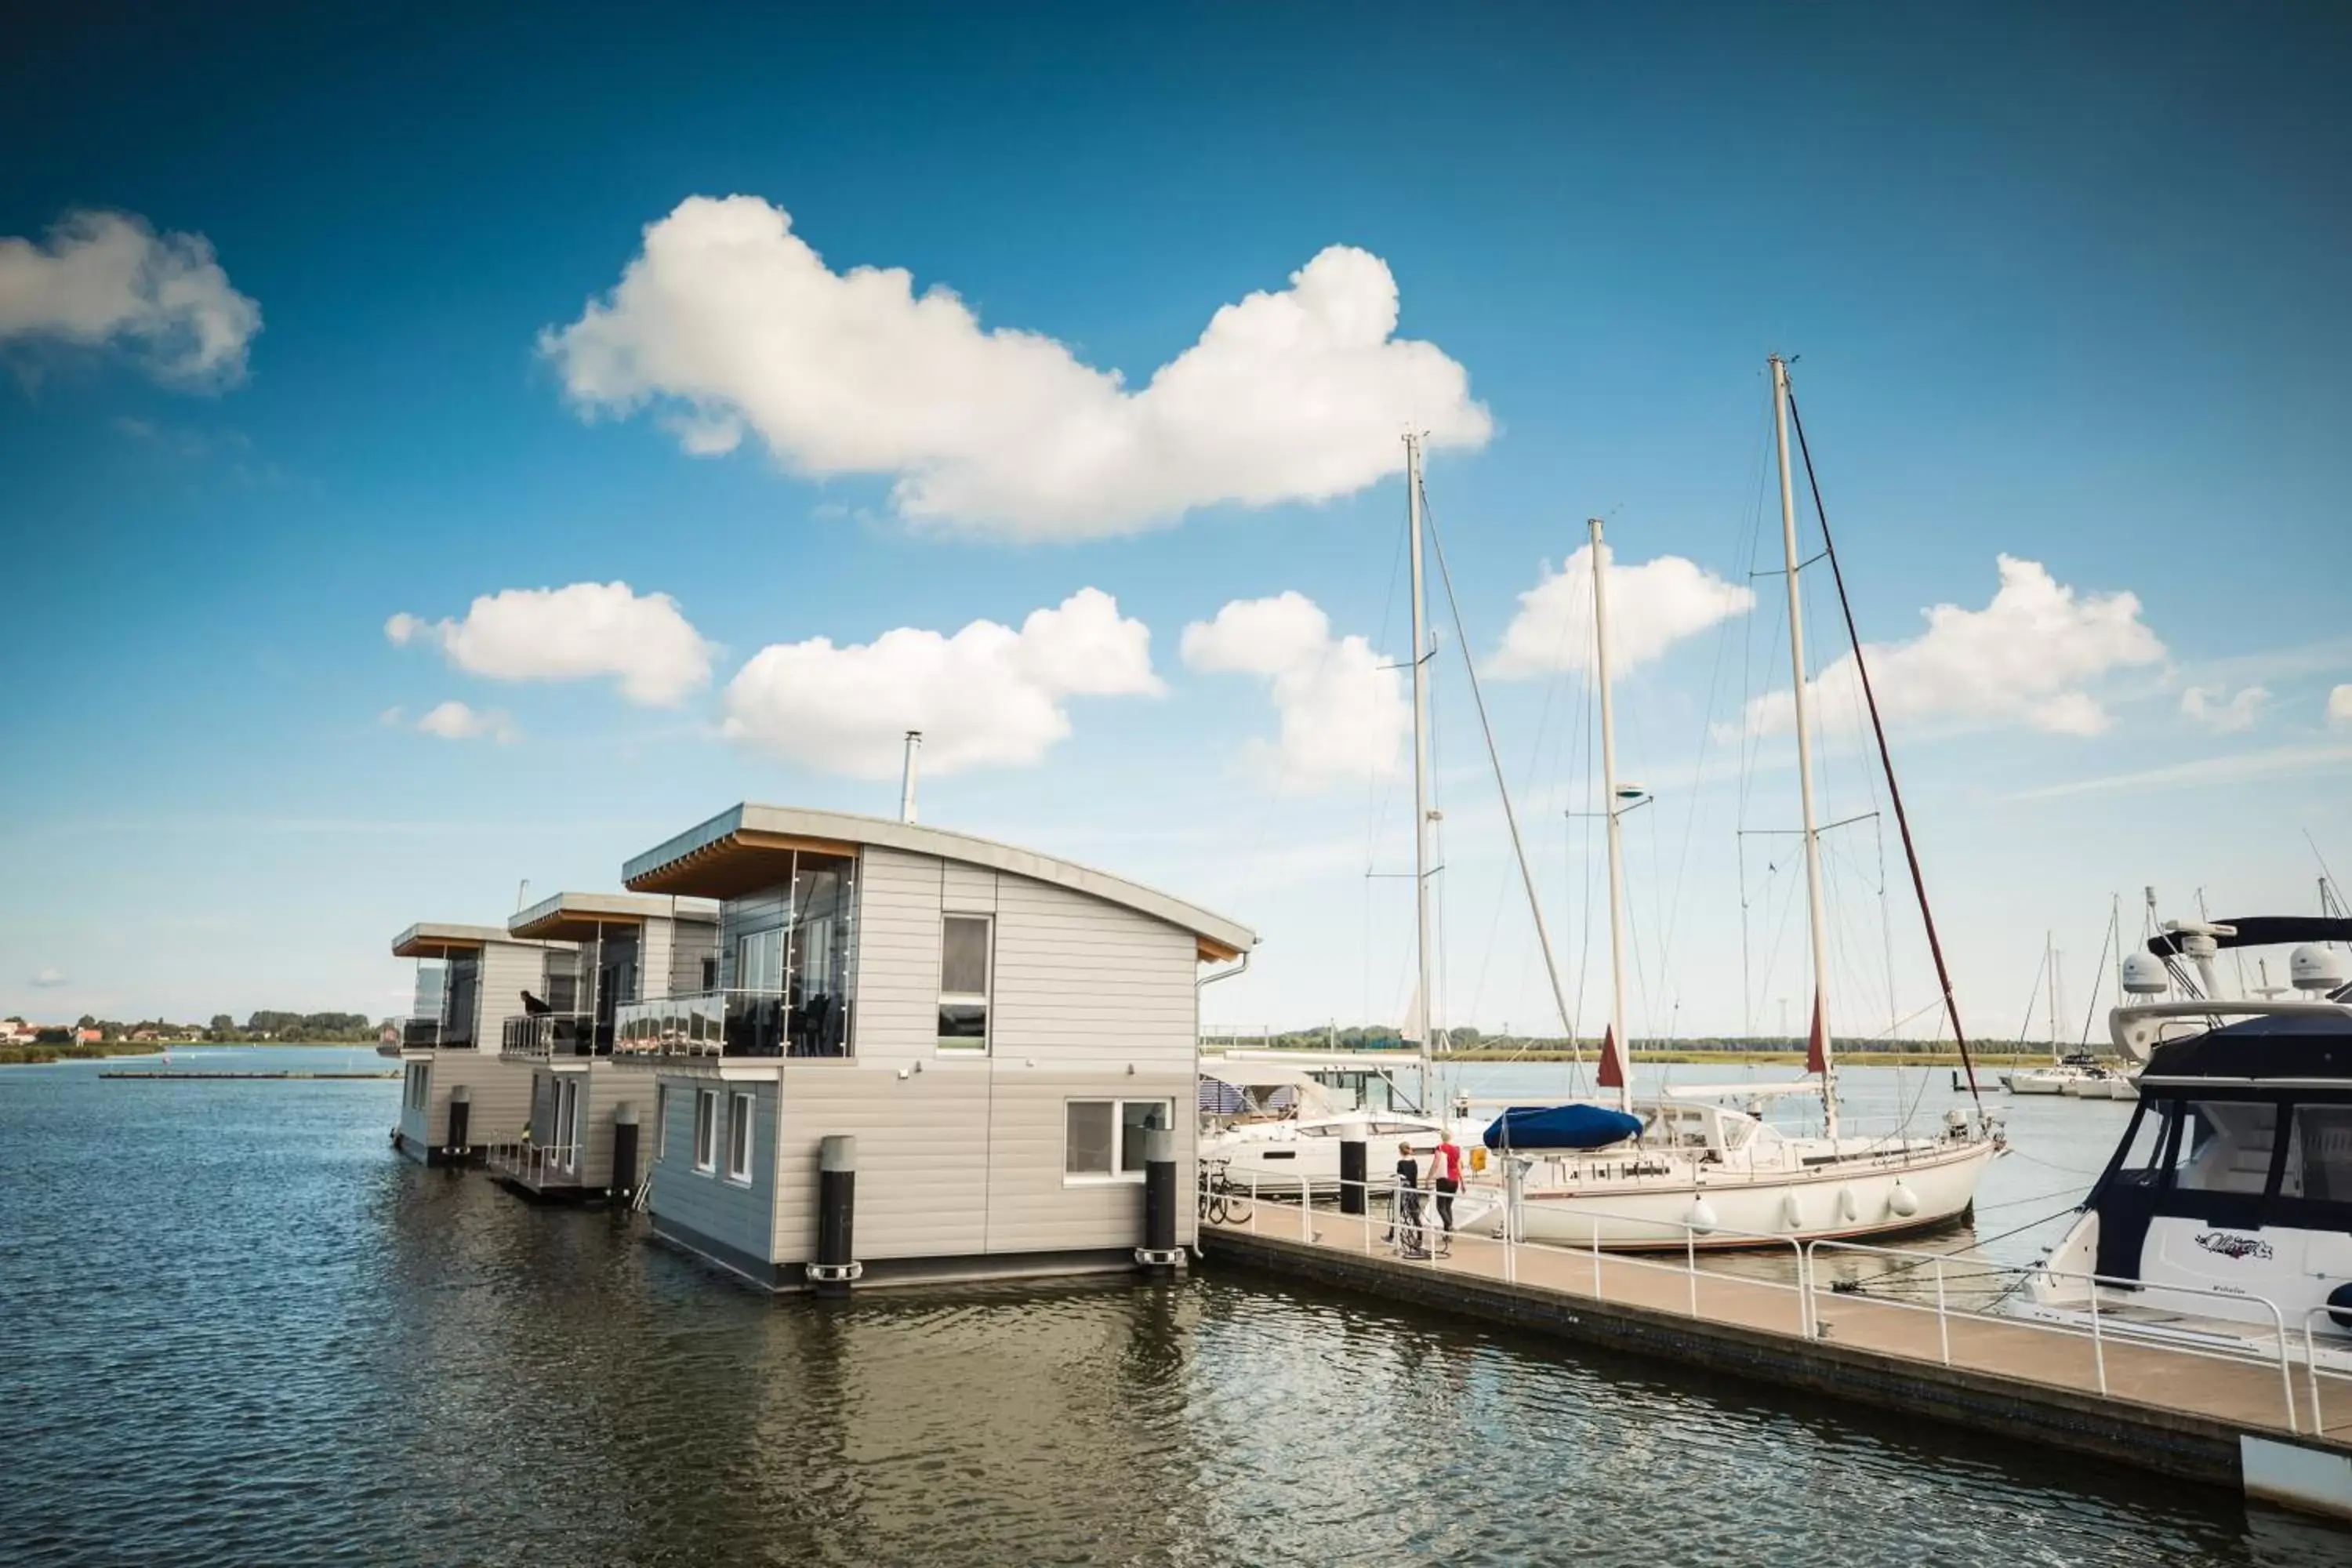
(1618, 1041)
(1421, 869)
(1821, 1017)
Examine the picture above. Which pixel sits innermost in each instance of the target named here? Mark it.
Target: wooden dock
(217, 1077)
(2227, 1422)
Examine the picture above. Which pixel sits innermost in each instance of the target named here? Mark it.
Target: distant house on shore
(87, 1037)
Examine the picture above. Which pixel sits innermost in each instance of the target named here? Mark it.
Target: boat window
(1736, 1132)
(2226, 1147)
(1321, 1130)
(2319, 1165)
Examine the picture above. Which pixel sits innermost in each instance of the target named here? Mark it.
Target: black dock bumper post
(461, 1116)
(1352, 1166)
(1159, 1254)
(836, 1269)
(625, 1151)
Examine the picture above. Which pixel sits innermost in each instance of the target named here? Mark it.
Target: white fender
(1790, 1215)
(1848, 1210)
(1903, 1202)
(1701, 1217)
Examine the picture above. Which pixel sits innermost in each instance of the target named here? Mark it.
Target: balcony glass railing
(731, 1024)
(543, 1035)
(432, 1034)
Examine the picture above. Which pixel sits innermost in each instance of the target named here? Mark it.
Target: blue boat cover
(1560, 1127)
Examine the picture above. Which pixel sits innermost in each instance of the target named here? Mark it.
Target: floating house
(459, 1092)
(992, 1039)
(582, 1138)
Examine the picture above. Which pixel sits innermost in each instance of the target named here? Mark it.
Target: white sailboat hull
(1926, 1186)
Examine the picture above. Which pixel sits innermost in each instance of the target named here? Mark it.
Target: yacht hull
(1861, 1197)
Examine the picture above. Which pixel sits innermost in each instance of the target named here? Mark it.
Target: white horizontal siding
(922, 1157)
(500, 1093)
(508, 970)
(1032, 1205)
(897, 995)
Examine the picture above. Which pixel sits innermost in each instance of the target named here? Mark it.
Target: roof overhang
(750, 848)
(583, 917)
(436, 939)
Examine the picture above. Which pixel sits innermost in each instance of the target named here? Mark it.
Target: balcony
(431, 1034)
(542, 1035)
(716, 1024)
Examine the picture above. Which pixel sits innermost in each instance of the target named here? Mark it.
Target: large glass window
(459, 1002)
(2226, 1147)
(2321, 1157)
(964, 968)
(661, 1122)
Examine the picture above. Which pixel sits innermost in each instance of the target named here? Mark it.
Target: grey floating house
(584, 1113)
(459, 1094)
(997, 1030)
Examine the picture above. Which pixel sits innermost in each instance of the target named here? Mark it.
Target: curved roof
(737, 852)
(575, 917)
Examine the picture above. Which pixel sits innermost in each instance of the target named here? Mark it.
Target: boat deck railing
(536, 1166)
(540, 1036)
(1939, 1308)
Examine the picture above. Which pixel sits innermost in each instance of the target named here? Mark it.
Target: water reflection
(236, 1329)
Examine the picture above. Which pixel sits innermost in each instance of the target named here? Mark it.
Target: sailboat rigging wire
(1893, 789)
(1494, 758)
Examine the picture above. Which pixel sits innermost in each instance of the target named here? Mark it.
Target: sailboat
(1305, 1148)
(1701, 1165)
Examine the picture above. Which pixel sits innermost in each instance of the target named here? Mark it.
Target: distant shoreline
(107, 1050)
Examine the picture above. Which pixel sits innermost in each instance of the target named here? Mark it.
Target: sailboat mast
(1814, 910)
(1620, 1040)
(1420, 753)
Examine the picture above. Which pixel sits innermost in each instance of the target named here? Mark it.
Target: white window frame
(706, 1131)
(661, 1122)
(743, 1108)
(984, 999)
(1119, 1104)
(567, 1121)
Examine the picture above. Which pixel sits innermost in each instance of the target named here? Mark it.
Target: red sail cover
(1612, 1071)
(1816, 1045)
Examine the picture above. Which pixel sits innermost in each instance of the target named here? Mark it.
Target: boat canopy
(2301, 1048)
(1560, 1127)
(2264, 930)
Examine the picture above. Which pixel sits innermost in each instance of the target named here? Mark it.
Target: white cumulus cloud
(49, 979)
(2220, 710)
(2340, 704)
(1651, 606)
(732, 323)
(454, 721)
(569, 634)
(2028, 658)
(104, 277)
(1342, 708)
(987, 696)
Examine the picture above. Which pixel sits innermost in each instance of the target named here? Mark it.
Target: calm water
(235, 1328)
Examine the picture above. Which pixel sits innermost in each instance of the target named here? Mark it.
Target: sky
(461, 448)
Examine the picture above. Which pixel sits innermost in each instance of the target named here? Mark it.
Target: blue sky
(2058, 291)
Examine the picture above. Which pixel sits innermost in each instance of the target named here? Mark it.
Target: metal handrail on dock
(1513, 1250)
(535, 1165)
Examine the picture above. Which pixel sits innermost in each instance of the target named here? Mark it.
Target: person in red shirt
(1446, 1163)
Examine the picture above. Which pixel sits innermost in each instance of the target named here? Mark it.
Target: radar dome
(2314, 968)
(2145, 975)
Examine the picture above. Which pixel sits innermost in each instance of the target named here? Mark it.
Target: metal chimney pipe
(906, 784)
